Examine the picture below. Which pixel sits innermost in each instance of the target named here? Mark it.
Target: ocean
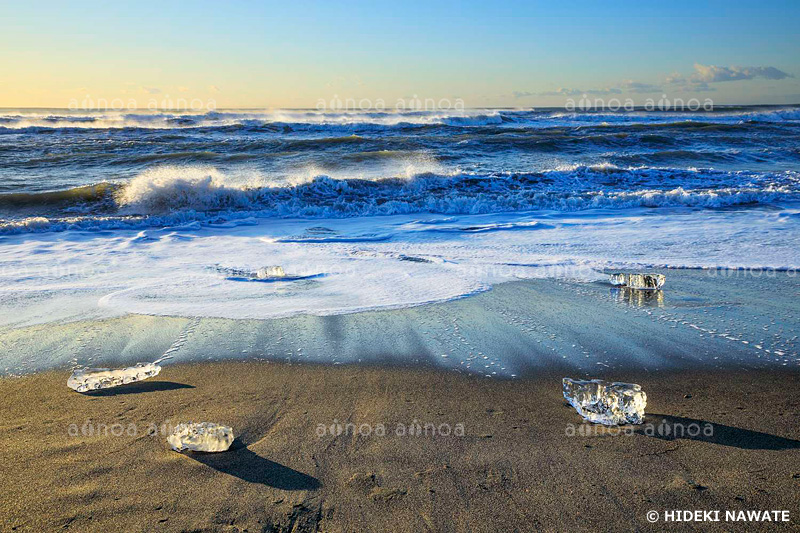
(165, 213)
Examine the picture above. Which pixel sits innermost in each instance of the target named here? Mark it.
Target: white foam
(181, 195)
(84, 119)
(71, 275)
(390, 118)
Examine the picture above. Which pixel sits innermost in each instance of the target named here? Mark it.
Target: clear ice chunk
(89, 379)
(639, 281)
(201, 437)
(606, 403)
(270, 272)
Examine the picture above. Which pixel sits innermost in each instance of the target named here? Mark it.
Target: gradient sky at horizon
(277, 54)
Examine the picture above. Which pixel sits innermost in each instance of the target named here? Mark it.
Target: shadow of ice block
(604, 402)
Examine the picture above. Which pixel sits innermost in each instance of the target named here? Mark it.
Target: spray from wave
(282, 121)
(566, 188)
(175, 195)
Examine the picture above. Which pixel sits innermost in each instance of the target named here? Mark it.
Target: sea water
(103, 214)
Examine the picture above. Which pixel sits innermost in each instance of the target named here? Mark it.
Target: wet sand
(524, 462)
(717, 320)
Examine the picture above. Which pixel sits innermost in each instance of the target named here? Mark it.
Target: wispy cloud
(570, 91)
(679, 82)
(698, 87)
(628, 86)
(631, 86)
(150, 90)
(703, 75)
(213, 89)
(698, 81)
(715, 74)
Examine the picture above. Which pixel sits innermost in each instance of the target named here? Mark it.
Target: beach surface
(522, 460)
(444, 417)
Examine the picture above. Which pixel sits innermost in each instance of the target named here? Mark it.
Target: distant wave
(283, 121)
(177, 195)
(279, 121)
(692, 156)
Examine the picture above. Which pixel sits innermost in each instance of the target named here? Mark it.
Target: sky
(307, 54)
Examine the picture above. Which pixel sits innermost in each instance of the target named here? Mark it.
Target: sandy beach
(495, 453)
(524, 462)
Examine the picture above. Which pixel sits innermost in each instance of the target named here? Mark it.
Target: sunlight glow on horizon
(273, 55)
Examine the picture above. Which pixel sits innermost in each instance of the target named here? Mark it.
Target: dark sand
(515, 468)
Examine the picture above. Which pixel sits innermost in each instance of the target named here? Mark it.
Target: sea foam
(175, 195)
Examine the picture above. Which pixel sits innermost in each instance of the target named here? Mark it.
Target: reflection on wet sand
(642, 298)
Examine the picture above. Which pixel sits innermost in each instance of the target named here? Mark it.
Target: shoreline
(525, 460)
(700, 320)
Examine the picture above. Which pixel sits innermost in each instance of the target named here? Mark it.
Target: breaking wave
(169, 196)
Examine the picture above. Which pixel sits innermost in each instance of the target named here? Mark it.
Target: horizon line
(387, 110)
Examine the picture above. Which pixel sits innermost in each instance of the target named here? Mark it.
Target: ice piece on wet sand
(270, 272)
(604, 402)
(639, 281)
(652, 298)
(89, 379)
(201, 437)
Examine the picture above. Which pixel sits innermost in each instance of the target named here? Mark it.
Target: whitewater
(104, 214)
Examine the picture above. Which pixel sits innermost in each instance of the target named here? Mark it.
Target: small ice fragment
(606, 403)
(639, 281)
(201, 437)
(89, 379)
(270, 272)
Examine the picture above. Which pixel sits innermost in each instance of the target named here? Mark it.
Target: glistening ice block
(201, 437)
(89, 379)
(639, 281)
(270, 272)
(606, 403)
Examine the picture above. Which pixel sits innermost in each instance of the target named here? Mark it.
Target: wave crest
(166, 189)
(176, 195)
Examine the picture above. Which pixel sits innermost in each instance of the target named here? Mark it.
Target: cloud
(150, 90)
(183, 89)
(628, 86)
(567, 91)
(684, 84)
(715, 74)
(697, 81)
(698, 87)
(631, 86)
(676, 79)
(703, 75)
(213, 89)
